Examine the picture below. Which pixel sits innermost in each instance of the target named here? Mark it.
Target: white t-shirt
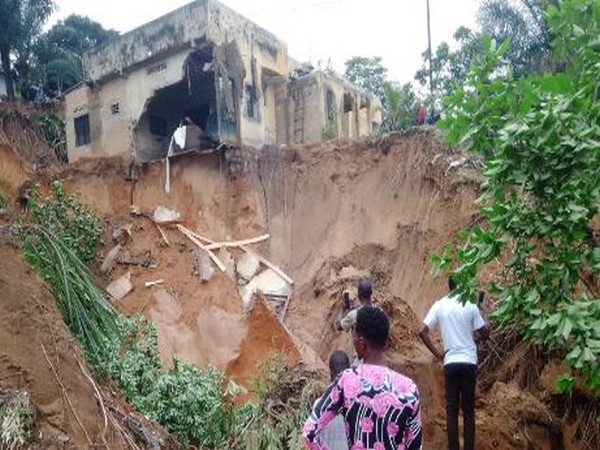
(457, 323)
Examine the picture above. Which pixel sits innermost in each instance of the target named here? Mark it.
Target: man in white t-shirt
(457, 323)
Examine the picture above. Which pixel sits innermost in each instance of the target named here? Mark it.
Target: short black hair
(338, 362)
(373, 325)
(364, 288)
(451, 284)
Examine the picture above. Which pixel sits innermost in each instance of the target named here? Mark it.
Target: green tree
(449, 68)
(20, 23)
(402, 106)
(367, 73)
(58, 53)
(540, 134)
(523, 23)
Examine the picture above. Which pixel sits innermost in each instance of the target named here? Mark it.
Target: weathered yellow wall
(130, 70)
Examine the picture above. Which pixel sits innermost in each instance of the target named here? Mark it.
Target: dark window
(330, 105)
(82, 130)
(158, 125)
(250, 101)
(114, 108)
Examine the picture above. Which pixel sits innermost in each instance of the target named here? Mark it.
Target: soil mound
(202, 321)
(39, 355)
(21, 129)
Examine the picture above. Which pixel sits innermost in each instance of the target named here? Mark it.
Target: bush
(60, 236)
(188, 402)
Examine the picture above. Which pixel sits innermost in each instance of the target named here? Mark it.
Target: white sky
(316, 30)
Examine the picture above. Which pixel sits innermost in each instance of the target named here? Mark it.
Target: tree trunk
(10, 87)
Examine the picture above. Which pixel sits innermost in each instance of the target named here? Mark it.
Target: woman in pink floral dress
(380, 407)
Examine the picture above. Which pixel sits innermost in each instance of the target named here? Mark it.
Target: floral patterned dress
(380, 407)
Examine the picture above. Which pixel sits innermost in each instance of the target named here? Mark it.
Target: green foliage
(16, 420)
(58, 52)
(54, 132)
(402, 106)
(81, 301)
(521, 22)
(20, 23)
(540, 136)
(188, 402)
(274, 421)
(367, 73)
(3, 202)
(564, 383)
(66, 217)
(60, 238)
(449, 68)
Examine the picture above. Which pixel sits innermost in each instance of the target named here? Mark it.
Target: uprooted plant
(284, 396)
(16, 420)
(58, 237)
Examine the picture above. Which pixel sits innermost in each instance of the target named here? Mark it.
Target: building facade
(209, 65)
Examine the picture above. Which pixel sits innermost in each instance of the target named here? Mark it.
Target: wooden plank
(162, 233)
(202, 238)
(285, 308)
(269, 264)
(195, 240)
(255, 240)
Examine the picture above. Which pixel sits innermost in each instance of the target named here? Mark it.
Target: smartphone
(346, 299)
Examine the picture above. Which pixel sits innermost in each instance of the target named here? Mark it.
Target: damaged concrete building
(209, 66)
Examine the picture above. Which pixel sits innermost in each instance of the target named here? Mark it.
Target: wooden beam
(191, 236)
(239, 243)
(162, 233)
(269, 264)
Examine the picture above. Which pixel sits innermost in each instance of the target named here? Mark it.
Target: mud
(334, 211)
(35, 342)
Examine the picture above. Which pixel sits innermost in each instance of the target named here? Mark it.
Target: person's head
(451, 284)
(371, 331)
(364, 290)
(338, 362)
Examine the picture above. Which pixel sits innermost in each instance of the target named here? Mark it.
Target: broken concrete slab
(144, 259)
(268, 282)
(111, 258)
(204, 265)
(119, 288)
(247, 266)
(228, 261)
(165, 215)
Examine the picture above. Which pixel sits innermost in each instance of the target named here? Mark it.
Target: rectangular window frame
(82, 130)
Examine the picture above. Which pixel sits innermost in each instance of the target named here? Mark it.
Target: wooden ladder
(299, 117)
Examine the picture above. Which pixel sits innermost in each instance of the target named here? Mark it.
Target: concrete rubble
(228, 261)
(204, 266)
(111, 258)
(165, 215)
(269, 283)
(247, 266)
(119, 288)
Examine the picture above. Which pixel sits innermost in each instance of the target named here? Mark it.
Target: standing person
(457, 324)
(421, 114)
(381, 407)
(346, 318)
(334, 433)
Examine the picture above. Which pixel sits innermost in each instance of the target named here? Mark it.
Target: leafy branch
(539, 135)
